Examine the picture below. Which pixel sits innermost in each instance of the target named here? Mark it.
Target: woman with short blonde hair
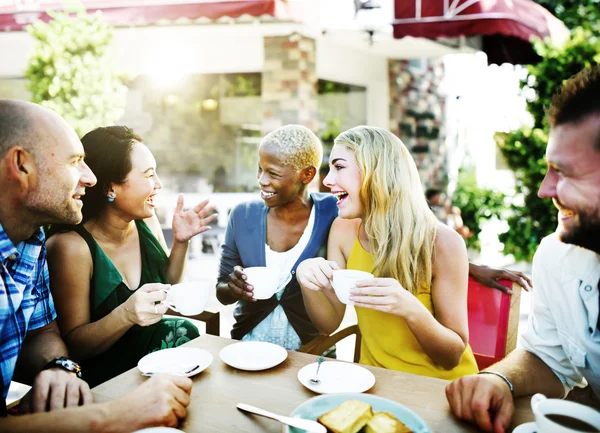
(289, 224)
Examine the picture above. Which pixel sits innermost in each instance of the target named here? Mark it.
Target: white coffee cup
(189, 299)
(344, 280)
(266, 281)
(557, 416)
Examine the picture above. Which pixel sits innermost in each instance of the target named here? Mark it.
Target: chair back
(320, 344)
(493, 321)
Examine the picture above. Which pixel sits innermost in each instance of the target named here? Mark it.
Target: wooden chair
(493, 321)
(493, 325)
(320, 344)
(211, 318)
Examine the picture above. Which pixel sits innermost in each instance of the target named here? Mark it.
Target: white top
(276, 328)
(562, 329)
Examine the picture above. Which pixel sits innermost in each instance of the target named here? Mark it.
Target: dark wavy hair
(108, 154)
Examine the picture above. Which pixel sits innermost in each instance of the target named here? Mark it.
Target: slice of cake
(348, 417)
(385, 422)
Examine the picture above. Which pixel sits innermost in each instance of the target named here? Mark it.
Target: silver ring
(155, 309)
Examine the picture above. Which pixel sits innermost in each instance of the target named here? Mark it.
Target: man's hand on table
(484, 400)
(160, 401)
(54, 389)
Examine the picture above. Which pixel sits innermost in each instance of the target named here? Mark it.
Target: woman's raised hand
(238, 287)
(188, 224)
(316, 274)
(145, 306)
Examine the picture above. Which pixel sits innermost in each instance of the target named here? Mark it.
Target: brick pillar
(417, 115)
(289, 82)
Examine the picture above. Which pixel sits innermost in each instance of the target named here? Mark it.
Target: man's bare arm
(529, 375)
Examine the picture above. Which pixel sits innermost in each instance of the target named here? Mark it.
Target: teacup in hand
(560, 416)
(344, 280)
(189, 299)
(266, 281)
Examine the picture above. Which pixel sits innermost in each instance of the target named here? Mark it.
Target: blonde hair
(399, 224)
(297, 146)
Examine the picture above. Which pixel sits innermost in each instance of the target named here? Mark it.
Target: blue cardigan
(245, 241)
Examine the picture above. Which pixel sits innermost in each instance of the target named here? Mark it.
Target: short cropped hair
(578, 98)
(297, 146)
(16, 127)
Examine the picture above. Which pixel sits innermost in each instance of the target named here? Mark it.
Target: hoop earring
(111, 197)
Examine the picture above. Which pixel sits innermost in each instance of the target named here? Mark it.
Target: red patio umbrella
(506, 26)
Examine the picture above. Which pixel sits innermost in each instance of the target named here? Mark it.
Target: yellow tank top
(388, 342)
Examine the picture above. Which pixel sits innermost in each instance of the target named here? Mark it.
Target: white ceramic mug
(189, 299)
(344, 280)
(560, 416)
(266, 281)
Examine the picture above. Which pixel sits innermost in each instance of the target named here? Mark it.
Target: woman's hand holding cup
(238, 286)
(316, 274)
(145, 306)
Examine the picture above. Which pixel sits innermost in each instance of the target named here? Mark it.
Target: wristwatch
(66, 364)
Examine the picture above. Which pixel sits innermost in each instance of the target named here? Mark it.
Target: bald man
(42, 178)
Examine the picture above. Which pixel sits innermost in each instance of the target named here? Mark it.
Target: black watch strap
(66, 364)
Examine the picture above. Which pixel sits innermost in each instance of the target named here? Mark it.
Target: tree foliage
(525, 149)
(476, 205)
(70, 71)
(575, 13)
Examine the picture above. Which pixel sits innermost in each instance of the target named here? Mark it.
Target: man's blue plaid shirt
(25, 299)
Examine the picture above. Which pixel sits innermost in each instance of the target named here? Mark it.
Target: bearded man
(561, 348)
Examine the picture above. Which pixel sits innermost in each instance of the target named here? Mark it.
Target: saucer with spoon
(332, 377)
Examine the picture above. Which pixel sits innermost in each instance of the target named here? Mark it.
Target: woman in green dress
(107, 273)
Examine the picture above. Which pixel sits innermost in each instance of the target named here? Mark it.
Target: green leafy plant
(332, 130)
(71, 73)
(534, 218)
(235, 85)
(575, 13)
(477, 205)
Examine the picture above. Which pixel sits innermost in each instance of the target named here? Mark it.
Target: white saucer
(176, 361)
(16, 391)
(253, 355)
(159, 430)
(337, 377)
(528, 427)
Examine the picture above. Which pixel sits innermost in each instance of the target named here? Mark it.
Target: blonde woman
(413, 314)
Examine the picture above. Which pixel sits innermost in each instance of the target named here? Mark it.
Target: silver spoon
(315, 380)
(303, 424)
(178, 373)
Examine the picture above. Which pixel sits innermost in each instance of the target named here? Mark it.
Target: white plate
(336, 377)
(159, 430)
(176, 361)
(16, 391)
(253, 355)
(526, 428)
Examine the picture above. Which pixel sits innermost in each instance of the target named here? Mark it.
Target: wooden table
(219, 388)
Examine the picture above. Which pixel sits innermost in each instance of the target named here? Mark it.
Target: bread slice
(385, 422)
(348, 417)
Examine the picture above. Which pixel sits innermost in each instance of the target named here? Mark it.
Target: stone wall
(289, 91)
(417, 115)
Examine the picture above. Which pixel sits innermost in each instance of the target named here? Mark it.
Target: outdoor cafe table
(219, 388)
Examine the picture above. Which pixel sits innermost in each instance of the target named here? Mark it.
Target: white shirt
(562, 329)
(276, 328)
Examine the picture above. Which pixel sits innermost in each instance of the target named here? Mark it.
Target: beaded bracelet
(501, 376)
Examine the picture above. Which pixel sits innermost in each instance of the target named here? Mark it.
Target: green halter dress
(108, 291)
